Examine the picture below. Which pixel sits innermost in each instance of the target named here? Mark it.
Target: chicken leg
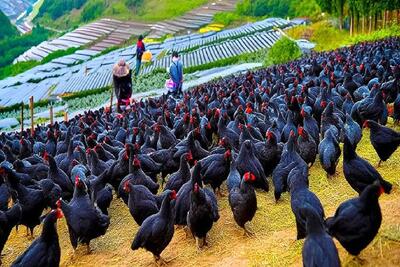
(219, 192)
(187, 231)
(88, 250)
(160, 261)
(201, 242)
(247, 232)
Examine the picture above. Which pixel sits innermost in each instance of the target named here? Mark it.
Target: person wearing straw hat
(122, 78)
(140, 49)
(176, 74)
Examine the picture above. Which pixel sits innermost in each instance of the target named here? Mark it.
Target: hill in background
(71, 13)
(6, 29)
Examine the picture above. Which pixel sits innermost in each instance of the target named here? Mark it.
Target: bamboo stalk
(22, 116)
(51, 115)
(111, 100)
(31, 109)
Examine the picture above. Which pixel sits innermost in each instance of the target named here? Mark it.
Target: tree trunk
(363, 24)
(384, 19)
(340, 22)
(398, 16)
(370, 24)
(351, 24)
(357, 23)
(387, 20)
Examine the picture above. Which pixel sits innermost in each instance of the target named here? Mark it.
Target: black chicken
(357, 221)
(358, 172)
(384, 140)
(142, 203)
(32, 200)
(306, 146)
(329, 153)
(137, 176)
(59, 177)
(269, 152)
(45, 250)
(8, 219)
(85, 221)
(202, 214)
(215, 169)
(156, 231)
(243, 201)
(177, 179)
(248, 162)
(301, 197)
(319, 248)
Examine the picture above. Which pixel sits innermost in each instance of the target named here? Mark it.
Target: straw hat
(121, 69)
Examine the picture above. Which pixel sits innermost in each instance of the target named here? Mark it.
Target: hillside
(71, 13)
(6, 29)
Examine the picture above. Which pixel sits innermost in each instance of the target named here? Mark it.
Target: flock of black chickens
(159, 153)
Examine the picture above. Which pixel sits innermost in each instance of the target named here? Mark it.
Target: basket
(147, 56)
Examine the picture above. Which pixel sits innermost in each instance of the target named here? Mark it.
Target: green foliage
(304, 8)
(140, 10)
(7, 29)
(93, 10)
(150, 81)
(278, 8)
(56, 8)
(391, 31)
(12, 47)
(283, 51)
(20, 67)
(12, 70)
(327, 37)
(133, 3)
(226, 18)
(322, 33)
(58, 54)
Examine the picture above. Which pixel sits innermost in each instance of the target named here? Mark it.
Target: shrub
(284, 50)
(226, 18)
(133, 3)
(93, 10)
(323, 34)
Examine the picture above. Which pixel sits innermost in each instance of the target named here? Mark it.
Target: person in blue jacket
(176, 74)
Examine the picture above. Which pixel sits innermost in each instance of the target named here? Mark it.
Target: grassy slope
(151, 11)
(328, 37)
(273, 245)
(6, 29)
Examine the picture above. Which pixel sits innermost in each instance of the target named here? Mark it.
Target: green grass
(58, 54)
(18, 68)
(232, 19)
(327, 37)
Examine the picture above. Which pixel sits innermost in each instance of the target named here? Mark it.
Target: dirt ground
(274, 242)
